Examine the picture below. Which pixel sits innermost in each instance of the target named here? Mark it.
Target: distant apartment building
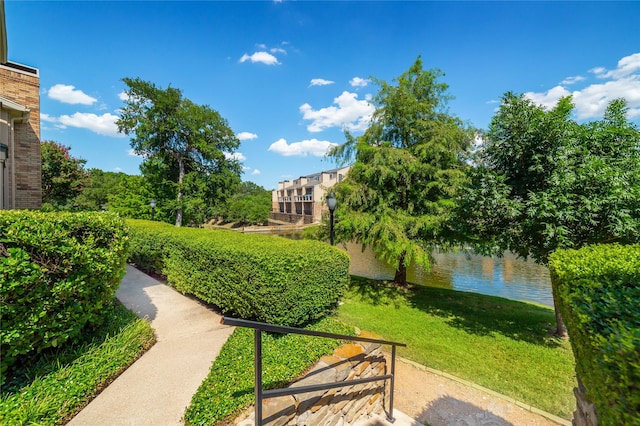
(302, 201)
(20, 158)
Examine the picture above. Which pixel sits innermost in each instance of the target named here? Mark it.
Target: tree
(174, 130)
(131, 199)
(401, 190)
(250, 205)
(95, 194)
(63, 176)
(545, 182)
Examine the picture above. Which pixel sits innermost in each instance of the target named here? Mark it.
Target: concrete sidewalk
(158, 387)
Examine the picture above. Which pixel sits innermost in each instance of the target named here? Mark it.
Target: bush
(598, 292)
(259, 277)
(56, 384)
(58, 272)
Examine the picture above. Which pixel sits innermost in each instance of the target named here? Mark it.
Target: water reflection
(506, 276)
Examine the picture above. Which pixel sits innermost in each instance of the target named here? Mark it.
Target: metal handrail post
(393, 379)
(257, 362)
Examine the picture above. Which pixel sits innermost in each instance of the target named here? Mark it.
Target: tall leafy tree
(401, 190)
(545, 182)
(95, 194)
(131, 199)
(170, 128)
(63, 176)
(250, 205)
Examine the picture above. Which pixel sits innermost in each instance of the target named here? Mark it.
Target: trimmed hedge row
(597, 289)
(258, 277)
(58, 271)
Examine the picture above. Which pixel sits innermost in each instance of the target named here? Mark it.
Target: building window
(340, 177)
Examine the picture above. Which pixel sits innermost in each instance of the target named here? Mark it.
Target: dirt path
(437, 400)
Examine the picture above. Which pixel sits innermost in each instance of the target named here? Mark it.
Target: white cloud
(132, 153)
(123, 96)
(302, 148)
(117, 169)
(243, 136)
(350, 114)
(104, 124)
(320, 82)
(592, 100)
(47, 117)
(626, 66)
(278, 50)
(263, 57)
(572, 80)
(549, 98)
(358, 82)
(256, 172)
(69, 95)
(237, 156)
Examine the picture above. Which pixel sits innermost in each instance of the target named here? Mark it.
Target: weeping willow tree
(401, 191)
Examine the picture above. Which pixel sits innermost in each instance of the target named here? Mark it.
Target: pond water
(507, 276)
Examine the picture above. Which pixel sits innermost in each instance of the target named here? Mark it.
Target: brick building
(20, 158)
(302, 201)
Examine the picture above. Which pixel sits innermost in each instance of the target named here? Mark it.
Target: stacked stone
(338, 406)
(585, 414)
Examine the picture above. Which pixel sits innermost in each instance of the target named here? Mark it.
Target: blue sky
(290, 76)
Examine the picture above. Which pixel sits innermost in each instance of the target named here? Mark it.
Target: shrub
(149, 244)
(260, 277)
(58, 272)
(598, 292)
(56, 384)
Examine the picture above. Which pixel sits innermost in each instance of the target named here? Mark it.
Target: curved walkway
(158, 387)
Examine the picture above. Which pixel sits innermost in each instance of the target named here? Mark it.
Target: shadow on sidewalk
(132, 293)
(447, 410)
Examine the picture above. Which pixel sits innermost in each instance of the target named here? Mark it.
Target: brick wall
(24, 163)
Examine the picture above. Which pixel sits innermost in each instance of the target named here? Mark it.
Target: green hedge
(58, 271)
(597, 289)
(260, 277)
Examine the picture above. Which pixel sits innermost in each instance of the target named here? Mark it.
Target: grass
(51, 387)
(229, 387)
(501, 344)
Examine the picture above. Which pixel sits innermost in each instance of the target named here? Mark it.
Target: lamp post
(331, 203)
(153, 208)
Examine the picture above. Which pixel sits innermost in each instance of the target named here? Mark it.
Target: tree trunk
(401, 272)
(561, 330)
(180, 179)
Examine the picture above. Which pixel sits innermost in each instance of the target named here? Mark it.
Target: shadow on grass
(474, 313)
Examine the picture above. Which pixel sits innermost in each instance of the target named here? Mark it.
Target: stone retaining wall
(585, 414)
(334, 407)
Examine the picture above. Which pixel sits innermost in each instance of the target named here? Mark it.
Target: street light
(153, 208)
(332, 202)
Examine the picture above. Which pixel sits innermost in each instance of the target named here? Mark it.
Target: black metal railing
(261, 394)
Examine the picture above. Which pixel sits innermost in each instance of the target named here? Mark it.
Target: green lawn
(229, 387)
(51, 387)
(500, 344)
